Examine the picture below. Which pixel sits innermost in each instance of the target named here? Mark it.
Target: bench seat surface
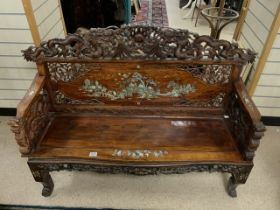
(138, 139)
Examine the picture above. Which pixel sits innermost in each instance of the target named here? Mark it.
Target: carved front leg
(43, 176)
(239, 176)
(47, 183)
(231, 187)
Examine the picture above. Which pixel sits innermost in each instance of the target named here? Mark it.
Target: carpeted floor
(153, 12)
(186, 191)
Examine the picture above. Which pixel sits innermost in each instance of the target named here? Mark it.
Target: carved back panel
(139, 65)
(140, 83)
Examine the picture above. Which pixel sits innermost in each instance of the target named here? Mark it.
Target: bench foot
(43, 176)
(239, 176)
(47, 184)
(231, 187)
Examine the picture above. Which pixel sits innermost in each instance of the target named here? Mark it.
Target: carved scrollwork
(137, 42)
(216, 101)
(29, 128)
(61, 98)
(210, 74)
(239, 171)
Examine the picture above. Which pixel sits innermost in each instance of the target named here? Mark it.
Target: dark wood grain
(184, 139)
(31, 95)
(246, 102)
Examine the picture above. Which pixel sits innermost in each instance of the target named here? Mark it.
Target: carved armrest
(245, 120)
(32, 116)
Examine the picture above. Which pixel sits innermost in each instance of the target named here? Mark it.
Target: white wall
(267, 94)
(15, 73)
(254, 34)
(48, 18)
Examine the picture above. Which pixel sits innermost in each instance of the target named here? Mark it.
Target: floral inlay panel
(135, 84)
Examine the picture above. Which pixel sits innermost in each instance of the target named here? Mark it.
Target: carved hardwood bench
(138, 100)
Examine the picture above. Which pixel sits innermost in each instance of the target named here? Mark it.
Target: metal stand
(191, 10)
(218, 18)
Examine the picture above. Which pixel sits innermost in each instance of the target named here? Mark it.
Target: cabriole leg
(44, 177)
(47, 183)
(238, 177)
(231, 187)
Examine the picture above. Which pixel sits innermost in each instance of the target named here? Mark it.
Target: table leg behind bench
(43, 176)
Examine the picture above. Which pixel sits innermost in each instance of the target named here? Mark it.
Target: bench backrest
(139, 67)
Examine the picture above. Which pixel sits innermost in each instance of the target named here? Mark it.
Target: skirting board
(8, 111)
(272, 121)
(267, 120)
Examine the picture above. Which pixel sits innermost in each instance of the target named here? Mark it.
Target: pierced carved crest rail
(137, 42)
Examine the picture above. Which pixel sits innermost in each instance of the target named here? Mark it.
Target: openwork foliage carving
(216, 101)
(239, 171)
(137, 42)
(68, 71)
(61, 98)
(210, 74)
